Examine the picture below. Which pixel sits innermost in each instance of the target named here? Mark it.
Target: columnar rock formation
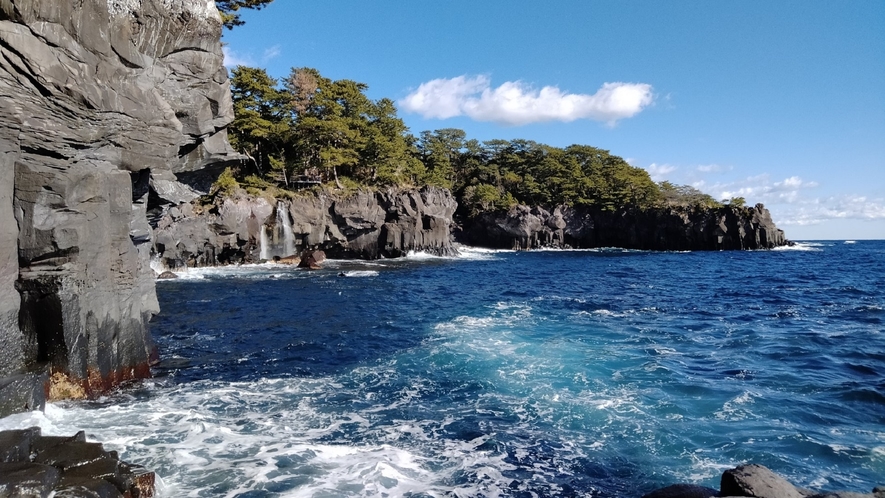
(660, 229)
(103, 102)
(364, 224)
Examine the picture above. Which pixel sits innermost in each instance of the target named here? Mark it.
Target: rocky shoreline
(676, 228)
(34, 465)
(755, 481)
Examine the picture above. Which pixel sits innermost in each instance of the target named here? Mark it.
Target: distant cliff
(104, 102)
(657, 229)
(365, 224)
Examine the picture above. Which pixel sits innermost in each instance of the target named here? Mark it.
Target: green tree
(229, 10)
(262, 126)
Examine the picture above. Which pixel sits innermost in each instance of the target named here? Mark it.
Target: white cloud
(658, 172)
(233, 59)
(815, 211)
(516, 103)
(761, 189)
(713, 168)
(271, 53)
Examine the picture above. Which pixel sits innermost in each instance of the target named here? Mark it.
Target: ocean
(508, 374)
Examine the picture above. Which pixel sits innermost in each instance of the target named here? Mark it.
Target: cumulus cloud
(658, 172)
(516, 103)
(761, 189)
(815, 211)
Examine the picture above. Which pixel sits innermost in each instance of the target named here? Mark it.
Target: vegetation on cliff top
(229, 10)
(309, 130)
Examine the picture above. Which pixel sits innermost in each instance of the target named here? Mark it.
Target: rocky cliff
(660, 229)
(104, 102)
(365, 224)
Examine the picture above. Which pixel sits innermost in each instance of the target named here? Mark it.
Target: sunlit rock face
(103, 103)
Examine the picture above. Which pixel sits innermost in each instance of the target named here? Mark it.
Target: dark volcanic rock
(104, 101)
(312, 259)
(365, 225)
(754, 480)
(667, 229)
(42, 466)
(757, 481)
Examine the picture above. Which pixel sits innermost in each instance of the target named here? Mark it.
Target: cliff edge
(676, 228)
(104, 102)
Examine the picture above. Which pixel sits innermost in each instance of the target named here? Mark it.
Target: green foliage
(738, 202)
(685, 195)
(228, 9)
(309, 128)
(226, 184)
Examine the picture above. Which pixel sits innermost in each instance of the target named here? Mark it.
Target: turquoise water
(577, 373)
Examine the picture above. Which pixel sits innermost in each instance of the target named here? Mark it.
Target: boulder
(37, 465)
(756, 481)
(312, 259)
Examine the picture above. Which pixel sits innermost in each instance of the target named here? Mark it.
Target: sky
(782, 103)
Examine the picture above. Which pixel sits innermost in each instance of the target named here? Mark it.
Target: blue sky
(779, 102)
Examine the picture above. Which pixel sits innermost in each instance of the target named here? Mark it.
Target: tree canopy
(307, 126)
(229, 10)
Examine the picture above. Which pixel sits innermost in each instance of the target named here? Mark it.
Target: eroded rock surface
(34, 465)
(366, 225)
(104, 102)
(661, 229)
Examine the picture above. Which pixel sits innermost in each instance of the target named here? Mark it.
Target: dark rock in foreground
(754, 481)
(33, 465)
(656, 229)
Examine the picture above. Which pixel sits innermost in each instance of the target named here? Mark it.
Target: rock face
(365, 225)
(35, 465)
(662, 229)
(104, 102)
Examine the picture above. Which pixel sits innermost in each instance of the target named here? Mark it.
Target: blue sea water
(505, 374)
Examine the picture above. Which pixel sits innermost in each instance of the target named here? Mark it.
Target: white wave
(360, 273)
(737, 408)
(850, 242)
(801, 246)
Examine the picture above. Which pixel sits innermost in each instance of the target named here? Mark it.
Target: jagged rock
(312, 259)
(104, 102)
(756, 481)
(33, 465)
(167, 275)
(673, 228)
(365, 225)
(683, 491)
